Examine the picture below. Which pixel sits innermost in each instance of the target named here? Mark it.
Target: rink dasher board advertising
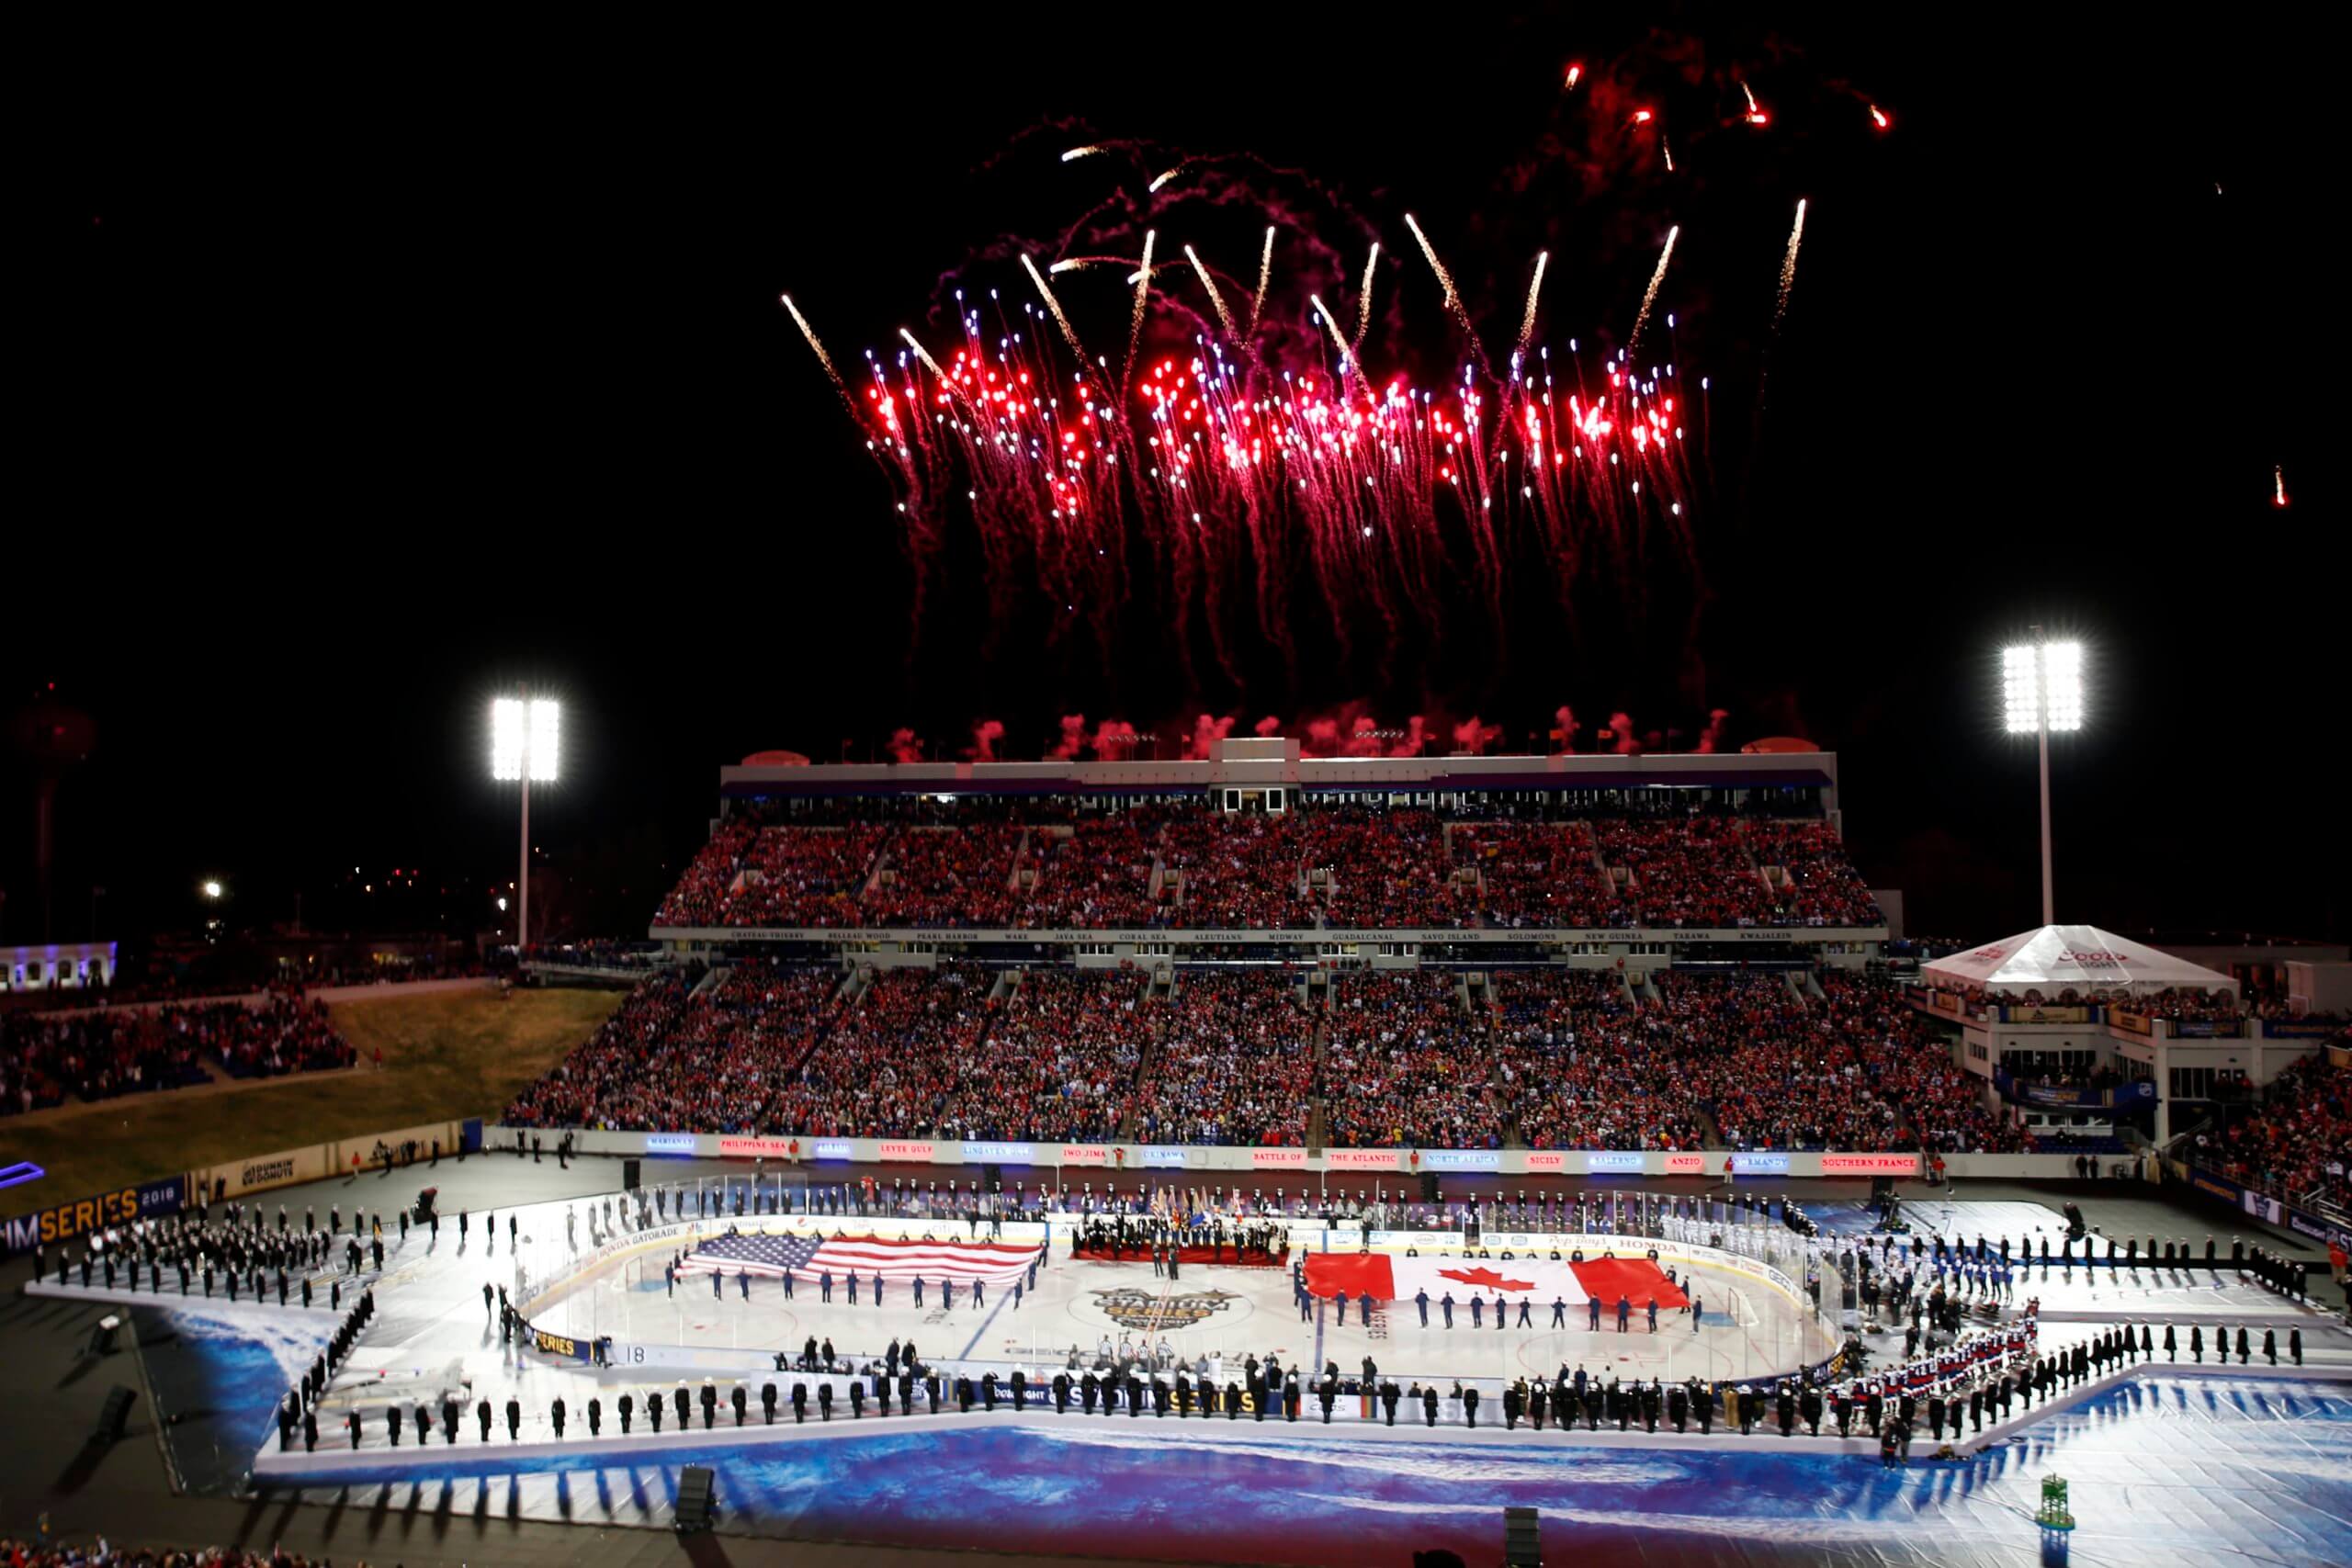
(84, 1216)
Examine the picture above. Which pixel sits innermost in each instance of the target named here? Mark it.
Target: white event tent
(2081, 958)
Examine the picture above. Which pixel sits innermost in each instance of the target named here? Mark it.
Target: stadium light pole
(524, 735)
(2042, 690)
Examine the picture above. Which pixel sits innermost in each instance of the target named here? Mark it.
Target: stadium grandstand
(1260, 949)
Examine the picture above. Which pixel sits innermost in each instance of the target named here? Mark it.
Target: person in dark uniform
(1062, 1394)
(352, 1421)
(392, 1423)
(1089, 1388)
(424, 1424)
(739, 1400)
(1513, 1401)
(555, 1414)
(1809, 1406)
(1936, 1414)
(1677, 1406)
(856, 1401)
(1020, 1389)
(709, 1405)
(2196, 1342)
(1429, 1405)
(825, 1401)
(1421, 1300)
(1389, 1393)
(1470, 1404)
(514, 1419)
(1702, 1400)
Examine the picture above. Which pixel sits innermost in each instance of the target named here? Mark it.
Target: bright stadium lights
(524, 740)
(524, 733)
(2041, 691)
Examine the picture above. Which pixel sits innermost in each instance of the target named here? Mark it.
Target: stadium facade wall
(1114, 1159)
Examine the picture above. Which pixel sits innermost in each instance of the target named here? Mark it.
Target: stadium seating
(1234, 1064)
(2304, 1129)
(100, 1053)
(1405, 1065)
(1056, 864)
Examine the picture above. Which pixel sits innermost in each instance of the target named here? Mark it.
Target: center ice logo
(1131, 1308)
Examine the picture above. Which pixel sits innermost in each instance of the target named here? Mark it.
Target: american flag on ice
(806, 1257)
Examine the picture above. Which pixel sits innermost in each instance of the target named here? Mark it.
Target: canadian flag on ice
(1390, 1279)
(1402, 1278)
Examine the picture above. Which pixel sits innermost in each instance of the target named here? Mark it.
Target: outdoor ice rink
(1220, 1312)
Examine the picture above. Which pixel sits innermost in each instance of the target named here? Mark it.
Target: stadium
(1538, 787)
(948, 1105)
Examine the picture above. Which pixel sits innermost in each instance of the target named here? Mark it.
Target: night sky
(351, 395)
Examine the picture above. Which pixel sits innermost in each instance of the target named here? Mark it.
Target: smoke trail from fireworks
(1164, 176)
(1649, 296)
(1347, 357)
(1789, 268)
(1265, 276)
(929, 362)
(2278, 484)
(1135, 323)
(822, 357)
(1669, 153)
(1068, 335)
(1534, 287)
(1210, 284)
(1445, 278)
(1364, 306)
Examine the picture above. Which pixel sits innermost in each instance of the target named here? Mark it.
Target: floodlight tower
(2042, 690)
(524, 732)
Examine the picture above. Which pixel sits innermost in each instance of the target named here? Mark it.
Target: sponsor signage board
(733, 1146)
(81, 1216)
(1870, 1165)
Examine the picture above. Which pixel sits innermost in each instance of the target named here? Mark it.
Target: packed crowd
(2299, 1145)
(678, 1055)
(1852, 1069)
(1234, 1064)
(1058, 1062)
(1384, 870)
(753, 874)
(1821, 886)
(1405, 1065)
(1239, 872)
(948, 876)
(1686, 870)
(1550, 1059)
(1537, 874)
(1341, 866)
(1574, 1071)
(1098, 874)
(102, 1052)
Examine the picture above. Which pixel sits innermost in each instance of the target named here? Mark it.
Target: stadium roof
(2083, 957)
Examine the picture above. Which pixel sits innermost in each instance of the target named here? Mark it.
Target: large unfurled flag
(808, 1257)
(1385, 1277)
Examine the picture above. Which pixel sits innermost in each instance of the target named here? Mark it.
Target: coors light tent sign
(2083, 958)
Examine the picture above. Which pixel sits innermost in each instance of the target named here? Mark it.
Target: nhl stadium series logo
(1131, 1308)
